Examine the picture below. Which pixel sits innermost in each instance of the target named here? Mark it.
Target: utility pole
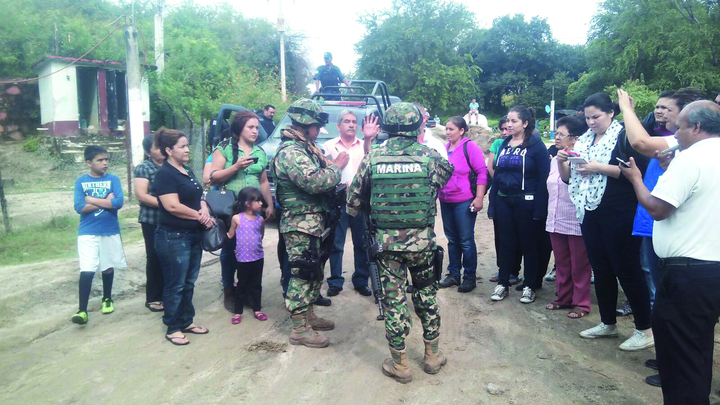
(57, 46)
(159, 38)
(552, 114)
(281, 30)
(134, 125)
(3, 202)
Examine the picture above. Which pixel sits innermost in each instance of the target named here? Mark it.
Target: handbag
(220, 202)
(214, 238)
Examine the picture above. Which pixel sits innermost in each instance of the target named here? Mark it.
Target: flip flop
(173, 340)
(260, 316)
(578, 313)
(197, 330)
(236, 319)
(153, 307)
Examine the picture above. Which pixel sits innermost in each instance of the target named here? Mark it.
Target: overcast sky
(331, 25)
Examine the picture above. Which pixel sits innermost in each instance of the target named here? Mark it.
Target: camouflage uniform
(409, 246)
(303, 217)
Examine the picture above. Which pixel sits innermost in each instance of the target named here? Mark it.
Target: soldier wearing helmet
(397, 185)
(304, 176)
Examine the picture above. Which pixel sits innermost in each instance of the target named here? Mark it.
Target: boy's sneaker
(500, 293)
(551, 276)
(528, 295)
(625, 310)
(80, 318)
(107, 306)
(638, 341)
(599, 331)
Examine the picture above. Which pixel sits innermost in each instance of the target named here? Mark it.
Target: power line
(66, 66)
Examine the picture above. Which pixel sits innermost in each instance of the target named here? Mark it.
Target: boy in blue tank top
(98, 197)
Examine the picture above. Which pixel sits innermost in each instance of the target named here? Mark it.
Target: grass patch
(56, 238)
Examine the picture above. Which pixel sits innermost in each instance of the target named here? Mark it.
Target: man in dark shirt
(329, 75)
(266, 120)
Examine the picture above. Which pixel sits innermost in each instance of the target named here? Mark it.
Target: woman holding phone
(605, 205)
(238, 163)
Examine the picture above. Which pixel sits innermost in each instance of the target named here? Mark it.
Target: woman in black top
(605, 204)
(177, 238)
(518, 203)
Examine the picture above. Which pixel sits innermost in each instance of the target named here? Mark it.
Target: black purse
(214, 238)
(220, 202)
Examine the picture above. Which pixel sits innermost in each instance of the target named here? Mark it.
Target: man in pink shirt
(347, 124)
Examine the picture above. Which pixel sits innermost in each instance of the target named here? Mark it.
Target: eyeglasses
(562, 135)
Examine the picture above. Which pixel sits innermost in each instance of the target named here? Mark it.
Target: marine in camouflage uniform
(302, 177)
(399, 182)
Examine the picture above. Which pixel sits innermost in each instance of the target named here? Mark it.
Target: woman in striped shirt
(573, 268)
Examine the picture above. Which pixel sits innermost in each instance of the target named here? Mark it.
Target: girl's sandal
(260, 316)
(577, 313)
(236, 319)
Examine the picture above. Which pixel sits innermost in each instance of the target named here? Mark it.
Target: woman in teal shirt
(238, 163)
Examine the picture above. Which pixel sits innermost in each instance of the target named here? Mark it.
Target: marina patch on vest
(396, 168)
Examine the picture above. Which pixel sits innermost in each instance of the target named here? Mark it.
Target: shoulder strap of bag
(467, 158)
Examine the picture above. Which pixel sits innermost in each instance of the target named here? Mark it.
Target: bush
(31, 146)
(644, 97)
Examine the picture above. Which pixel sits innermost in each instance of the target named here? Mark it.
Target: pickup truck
(361, 102)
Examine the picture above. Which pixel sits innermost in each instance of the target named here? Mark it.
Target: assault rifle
(373, 249)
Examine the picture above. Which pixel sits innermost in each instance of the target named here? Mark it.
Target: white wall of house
(64, 92)
(45, 88)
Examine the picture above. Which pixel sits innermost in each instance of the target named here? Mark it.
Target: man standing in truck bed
(329, 75)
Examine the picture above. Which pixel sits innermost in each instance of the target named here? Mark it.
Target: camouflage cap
(403, 119)
(306, 112)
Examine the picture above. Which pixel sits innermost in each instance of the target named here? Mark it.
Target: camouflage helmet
(402, 119)
(307, 112)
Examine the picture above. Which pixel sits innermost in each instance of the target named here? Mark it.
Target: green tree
(413, 47)
(519, 57)
(672, 43)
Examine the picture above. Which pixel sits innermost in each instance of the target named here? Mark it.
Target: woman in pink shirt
(460, 201)
(573, 268)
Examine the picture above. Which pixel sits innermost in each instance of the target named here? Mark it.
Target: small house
(87, 97)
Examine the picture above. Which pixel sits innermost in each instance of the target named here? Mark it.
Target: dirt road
(534, 355)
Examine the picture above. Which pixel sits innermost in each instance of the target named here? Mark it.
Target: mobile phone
(670, 149)
(571, 153)
(578, 160)
(622, 162)
(255, 159)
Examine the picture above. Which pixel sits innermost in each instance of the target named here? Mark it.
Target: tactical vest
(293, 199)
(401, 196)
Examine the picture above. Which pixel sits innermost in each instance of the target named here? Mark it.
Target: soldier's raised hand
(342, 160)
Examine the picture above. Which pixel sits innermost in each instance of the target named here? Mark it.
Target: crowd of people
(630, 202)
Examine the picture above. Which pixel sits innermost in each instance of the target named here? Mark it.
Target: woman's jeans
(459, 227)
(153, 269)
(228, 263)
(180, 256)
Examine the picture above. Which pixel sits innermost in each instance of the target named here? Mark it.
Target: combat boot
(434, 358)
(303, 334)
(397, 367)
(318, 323)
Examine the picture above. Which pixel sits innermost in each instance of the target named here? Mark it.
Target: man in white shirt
(347, 124)
(685, 237)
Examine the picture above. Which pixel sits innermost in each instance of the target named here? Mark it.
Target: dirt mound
(482, 137)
